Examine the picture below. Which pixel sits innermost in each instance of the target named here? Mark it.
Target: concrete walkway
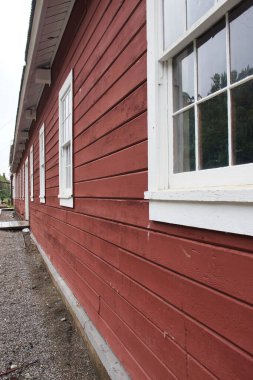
(7, 221)
(14, 225)
(38, 339)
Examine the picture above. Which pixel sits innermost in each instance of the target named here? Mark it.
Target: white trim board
(218, 216)
(107, 358)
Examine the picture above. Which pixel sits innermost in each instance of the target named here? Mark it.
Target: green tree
(5, 192)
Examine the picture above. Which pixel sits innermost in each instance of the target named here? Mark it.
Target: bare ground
(38, 339)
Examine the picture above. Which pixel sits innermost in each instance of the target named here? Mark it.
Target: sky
(14, 22)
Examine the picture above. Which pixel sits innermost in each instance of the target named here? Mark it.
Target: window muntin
(65, 143)
(31, 173)
(42, 163)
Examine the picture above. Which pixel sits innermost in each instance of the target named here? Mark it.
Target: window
(31, 173)
(14, 186)
(20, 185)
(200, 84)
(42, 163)
(23, 181)
(65, 143)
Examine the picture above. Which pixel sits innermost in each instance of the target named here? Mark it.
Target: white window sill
(31, 199)
(66, 201)
(227, 210)
(242, 194)
(42, 199)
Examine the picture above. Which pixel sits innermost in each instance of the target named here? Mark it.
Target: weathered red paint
(173, 302)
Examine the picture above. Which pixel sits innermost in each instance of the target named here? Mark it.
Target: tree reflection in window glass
(241, 40)
(242, 108)
(213, 132)
(183, 79)
(212, 67)
(196, 9)
(184, 142)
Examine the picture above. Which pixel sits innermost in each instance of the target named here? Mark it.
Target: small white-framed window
(15, 185)
(200, 83)
(42, 163)
(19, 184)
(23, 181)
(14, 189)
(31, 174)
(66, 142)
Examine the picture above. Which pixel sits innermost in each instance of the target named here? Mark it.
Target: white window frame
(31, 175)
(42, 164)
(66, 194)
(190, 199)
(14, 190)
(23, 182)
(19, 187)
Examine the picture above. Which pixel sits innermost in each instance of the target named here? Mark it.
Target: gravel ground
(37, 334)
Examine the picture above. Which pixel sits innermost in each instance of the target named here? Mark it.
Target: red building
(132, 160)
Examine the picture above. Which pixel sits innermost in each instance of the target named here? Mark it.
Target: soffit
(47, 25)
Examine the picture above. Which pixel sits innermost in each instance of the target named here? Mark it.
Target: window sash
(160, 94)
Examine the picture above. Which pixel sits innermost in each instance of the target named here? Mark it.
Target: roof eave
(28, 103)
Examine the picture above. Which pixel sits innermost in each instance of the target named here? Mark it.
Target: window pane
(241, 39)
(213, 132)
(173, 20)
(183, 79)
(67, 164)
(67, 105)
(196, 9)
(184, 142)
(212, 67)
(242, 108)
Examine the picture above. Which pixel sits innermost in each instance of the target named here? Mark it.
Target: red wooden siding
(172, 302)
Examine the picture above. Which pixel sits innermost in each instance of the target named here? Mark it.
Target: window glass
(67, 155)
(174, 20)
(242, 106)
(183, 79)
(241, 40)
(213, 132)
(42, 163)
(66, 140)
(196, 9)
(212, 67)
(184, 142)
